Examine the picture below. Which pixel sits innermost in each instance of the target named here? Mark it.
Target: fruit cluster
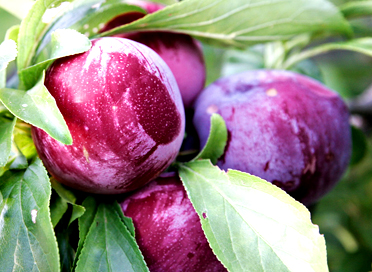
(124, 102)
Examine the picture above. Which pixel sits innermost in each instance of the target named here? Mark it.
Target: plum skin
(283, 127)
(168, 229)
(125, 114)
(181, 52)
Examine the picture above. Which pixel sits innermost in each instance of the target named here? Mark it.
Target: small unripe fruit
(125, 114)
(284, 127)
(168, 230)
(181, 52)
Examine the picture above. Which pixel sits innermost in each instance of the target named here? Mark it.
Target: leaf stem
(363, 45)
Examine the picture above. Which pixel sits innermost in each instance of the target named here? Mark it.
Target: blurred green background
(6, 20)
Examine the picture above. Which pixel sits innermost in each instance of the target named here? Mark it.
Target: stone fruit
(181, 52)
(168, 230)
(284, 127)
(125, 114)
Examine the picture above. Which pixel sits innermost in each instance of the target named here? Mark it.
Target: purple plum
(283, 127)
(125, 114)
(168, 229)
(181, 52)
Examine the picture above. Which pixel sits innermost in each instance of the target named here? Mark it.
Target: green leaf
(128, 222)
(357, 9)
(85, 222)
(6, 132)
(63, 191)
(251, 224)
(12, 33)
(8, 53)
(23, 140)
(91, 23)
(67, 197)
(58, 207)
(361, 45)
(18, 160)
(215, 146)
(27, 240)
(32, 30)
(77, 212)
(65, 42)
(38, 108)
(73, 13)
(108, 245)
(85, 16)
(241, 23)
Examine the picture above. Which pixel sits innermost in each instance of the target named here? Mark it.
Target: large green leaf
(108, 244)
(242, 22)
(27, 240)
(216, 142)
(251, 224)
(38, 108)
(65, 42)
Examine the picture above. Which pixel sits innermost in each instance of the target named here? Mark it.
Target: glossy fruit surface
(168, 230)
(284, 127)
(181, 52)
(125, 114)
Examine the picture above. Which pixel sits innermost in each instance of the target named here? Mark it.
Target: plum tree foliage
(134, 138)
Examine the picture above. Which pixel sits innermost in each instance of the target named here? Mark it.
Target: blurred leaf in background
(345, 218)
(6, 21)
(348, 73)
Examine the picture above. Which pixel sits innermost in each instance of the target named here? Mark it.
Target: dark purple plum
(283, 127)
(168, 229)
(125, 114)
(181, 52)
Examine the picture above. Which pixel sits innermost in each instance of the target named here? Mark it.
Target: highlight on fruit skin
(182, 53)
(125, 114)
(168, 229)
(283, 127)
